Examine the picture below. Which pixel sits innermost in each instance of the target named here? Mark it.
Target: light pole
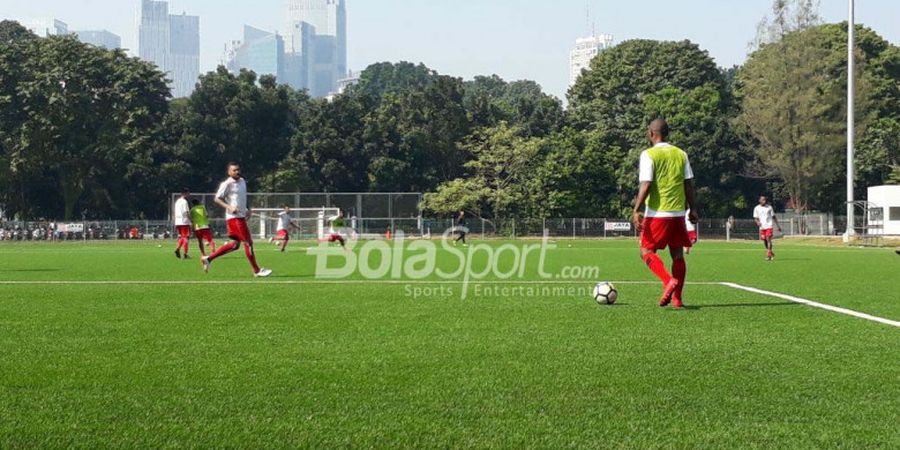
(851, 131)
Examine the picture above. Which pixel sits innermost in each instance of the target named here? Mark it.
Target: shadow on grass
(740, 305)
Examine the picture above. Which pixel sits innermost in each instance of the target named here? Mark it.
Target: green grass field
(122, 345)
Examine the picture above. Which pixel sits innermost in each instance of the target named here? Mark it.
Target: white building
(884, 208)
(46, 27)
(585, 50)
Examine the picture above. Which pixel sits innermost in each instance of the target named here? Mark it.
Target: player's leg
(679, 273)
(654, 237)
(180, 243)
(284, 243)
(199, 236)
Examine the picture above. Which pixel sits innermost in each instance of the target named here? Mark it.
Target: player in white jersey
(232, 195)
(283, 232)
(764, 215)
(182, 217)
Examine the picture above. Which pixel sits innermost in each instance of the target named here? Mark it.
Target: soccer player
(200, 220)
(692, 231)
(338, 230)
(667, 193)
(285, 223)
(232, 195)
(461, 228)
(182, 217)
(765, 218)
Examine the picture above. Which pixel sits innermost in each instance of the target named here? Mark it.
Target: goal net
(313, 222)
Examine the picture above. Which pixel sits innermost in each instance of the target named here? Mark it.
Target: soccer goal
(313, 222)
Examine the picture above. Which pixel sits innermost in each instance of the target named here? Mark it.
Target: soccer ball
(605, 293)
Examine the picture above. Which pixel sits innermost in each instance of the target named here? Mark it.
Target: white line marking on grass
(807, 302)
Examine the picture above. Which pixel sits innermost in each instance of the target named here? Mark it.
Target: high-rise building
(299, 56)
(260, 51)
(184, 53)
(172, 42)
(153, 33)
(46, 27)
(100, 38)
(329, 20)
(585, 50)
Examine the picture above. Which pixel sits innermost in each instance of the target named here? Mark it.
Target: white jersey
(182, 213)
(234, 193)
(284, 221)
(766, 216)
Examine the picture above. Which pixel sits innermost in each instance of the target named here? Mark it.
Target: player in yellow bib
(200, 222)
(667, 194)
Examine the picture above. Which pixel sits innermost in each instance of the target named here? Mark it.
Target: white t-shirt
(234, 193)
(284, 220)
(182, 212)
(766, 215)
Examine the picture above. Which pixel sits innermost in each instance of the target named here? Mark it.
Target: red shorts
(184, 231)
(204, 234)
(334, 237)
(662, 232)
(692, 236)
(766, 234)
(282, 235)
(238, 230)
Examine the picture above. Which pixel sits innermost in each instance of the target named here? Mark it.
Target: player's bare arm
(223, 204)
(690, 197)
(643, 192)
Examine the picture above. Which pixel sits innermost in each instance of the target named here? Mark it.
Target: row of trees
(90, 132)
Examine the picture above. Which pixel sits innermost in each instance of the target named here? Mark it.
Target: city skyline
(468, 38)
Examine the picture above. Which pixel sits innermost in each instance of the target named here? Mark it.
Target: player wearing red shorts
(283, 232)
(200, 222)
(182, 218)
(764, 215)
(667, 193)
(232, 195)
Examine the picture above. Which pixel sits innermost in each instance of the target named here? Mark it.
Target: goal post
(312, 221)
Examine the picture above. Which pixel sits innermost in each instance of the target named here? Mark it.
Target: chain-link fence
(366, 227)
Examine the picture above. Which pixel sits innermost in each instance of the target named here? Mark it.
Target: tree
(233, 118)
(491, 100)
(640, 80)
(793, 111)
(76, 117)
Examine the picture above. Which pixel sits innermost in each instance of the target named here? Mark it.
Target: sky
(516, 39)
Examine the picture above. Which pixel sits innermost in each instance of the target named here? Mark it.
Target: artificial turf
(292, 361)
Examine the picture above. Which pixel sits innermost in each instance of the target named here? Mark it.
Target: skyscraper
(329, 44)
(153, 33)
(184, 53)
(100, 38)
(260, 51)
(585, 50)
(172, 42)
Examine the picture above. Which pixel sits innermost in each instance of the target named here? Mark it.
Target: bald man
(667, 196)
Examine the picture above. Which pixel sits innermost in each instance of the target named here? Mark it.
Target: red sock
(658, 267)
(248, 250)
(679, 271)
(225, 249)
